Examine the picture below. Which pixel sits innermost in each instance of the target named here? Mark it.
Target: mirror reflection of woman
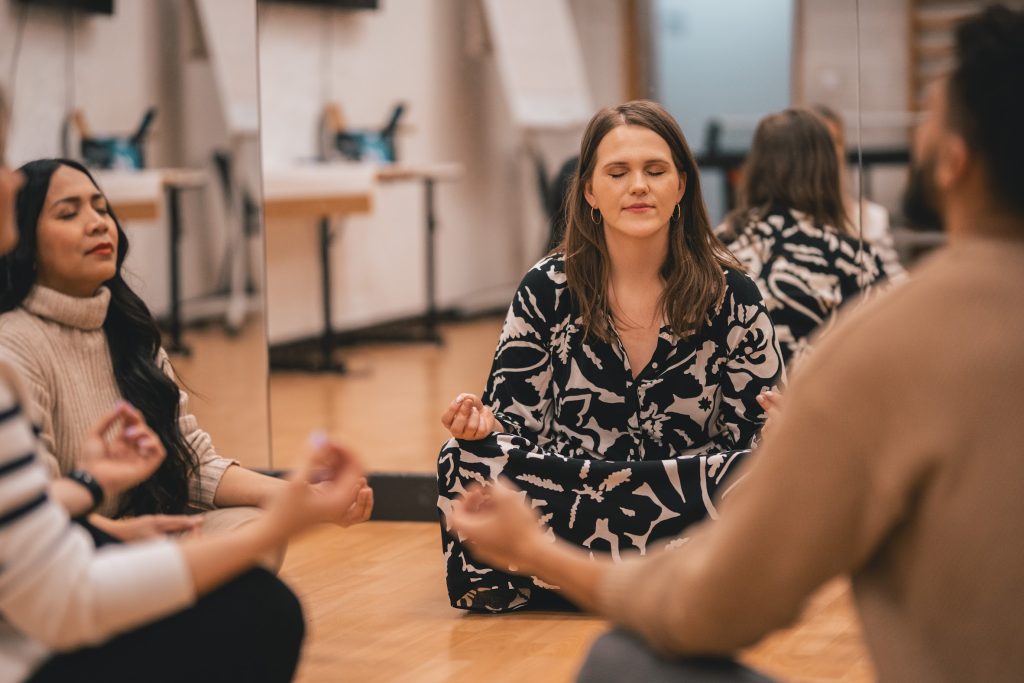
(792, 233)
(84, 340)
(639, 338)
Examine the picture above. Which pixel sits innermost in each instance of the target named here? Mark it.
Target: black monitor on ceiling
(95, 6)
(341, 4)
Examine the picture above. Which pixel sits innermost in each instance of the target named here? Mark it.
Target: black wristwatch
(89, 482)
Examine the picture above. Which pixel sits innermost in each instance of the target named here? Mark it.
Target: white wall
(119, 51)
(422, 53)
(829, 65)
(829, 74)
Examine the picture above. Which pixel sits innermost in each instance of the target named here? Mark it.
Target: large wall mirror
(410, 153)
(158, 98)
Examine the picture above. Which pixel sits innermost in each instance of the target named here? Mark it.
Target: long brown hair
(792, 164)
(692, 271)
(133, 340)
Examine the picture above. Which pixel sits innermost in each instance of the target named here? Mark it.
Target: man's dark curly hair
(986, 98)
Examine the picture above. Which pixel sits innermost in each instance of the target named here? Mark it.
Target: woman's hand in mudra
(771, 402)
(121, 450)
(499, 526)
(361, 508)
(328, 485)
(469, 419)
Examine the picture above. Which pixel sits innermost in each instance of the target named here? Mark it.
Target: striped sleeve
(37, 402)
(55, 587)
(23, 482)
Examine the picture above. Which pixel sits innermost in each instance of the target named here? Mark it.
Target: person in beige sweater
(896, 458)
(83, 341)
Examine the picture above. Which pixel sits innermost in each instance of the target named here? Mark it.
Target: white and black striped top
(57, 592)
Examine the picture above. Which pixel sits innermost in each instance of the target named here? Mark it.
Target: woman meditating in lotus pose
(83, 340)
(626, 377)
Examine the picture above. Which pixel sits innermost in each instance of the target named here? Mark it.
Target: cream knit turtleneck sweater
(58, 344)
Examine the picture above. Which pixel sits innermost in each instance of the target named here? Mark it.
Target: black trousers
(620, 656)
(250, 629)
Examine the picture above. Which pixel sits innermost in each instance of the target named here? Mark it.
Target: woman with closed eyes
(626, 376)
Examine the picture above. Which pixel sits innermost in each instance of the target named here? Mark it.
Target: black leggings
(250, 629)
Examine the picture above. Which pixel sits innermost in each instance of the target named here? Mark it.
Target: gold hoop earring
(677, 213)
(595, 215)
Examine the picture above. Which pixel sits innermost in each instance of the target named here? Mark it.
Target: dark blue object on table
(371, 145)
(118, 151)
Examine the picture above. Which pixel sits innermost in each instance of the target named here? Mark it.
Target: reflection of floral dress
(611, 462)
(805, 274)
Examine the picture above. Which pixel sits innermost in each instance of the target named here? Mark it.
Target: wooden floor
(377, 611)
(374, 595)
(227, 380)
(389, 406)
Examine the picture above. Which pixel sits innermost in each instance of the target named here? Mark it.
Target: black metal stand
(176, 345)
(427, 331)
(430, 333)
(323, 360)
(416, 331)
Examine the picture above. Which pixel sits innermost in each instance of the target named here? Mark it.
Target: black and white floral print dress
(611, 462)
(805, 274)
